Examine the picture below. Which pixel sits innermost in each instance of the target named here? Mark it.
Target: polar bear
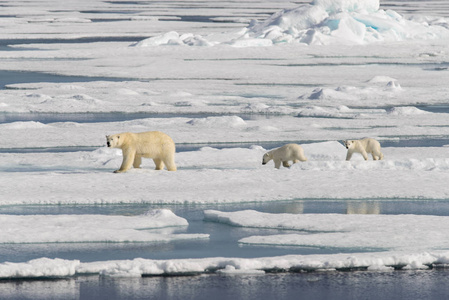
(284, 154)
(363, 146)
(151, 144)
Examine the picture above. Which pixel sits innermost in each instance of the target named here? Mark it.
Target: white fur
(284, 154)
(151, 144)
(364, 146)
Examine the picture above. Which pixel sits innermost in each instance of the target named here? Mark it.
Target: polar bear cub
(284, 154)
(363, 146)
(151, 144)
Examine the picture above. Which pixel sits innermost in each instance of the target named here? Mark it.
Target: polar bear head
(348, 143)
(114, 141)
(266, 158)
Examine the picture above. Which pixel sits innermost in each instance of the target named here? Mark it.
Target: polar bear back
(368, 144)
(364, 146)
(288, 152)
(150, 144)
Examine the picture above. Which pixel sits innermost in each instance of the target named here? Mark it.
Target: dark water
(15, 77)
(411, 285)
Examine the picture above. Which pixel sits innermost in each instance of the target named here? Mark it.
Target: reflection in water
(336, 285)
(40, 289)
(364, 208)
(296, 207)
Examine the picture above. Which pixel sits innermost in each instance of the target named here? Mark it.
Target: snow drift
(322, 22)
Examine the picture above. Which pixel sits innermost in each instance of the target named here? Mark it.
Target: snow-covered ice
(353, 231)
(256, 75)
(93, 228)
(138, 267)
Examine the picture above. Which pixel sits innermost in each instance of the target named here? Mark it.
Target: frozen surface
(228, 81)
(355, 231)
(138, 267)
(93, 228)
(233, 175)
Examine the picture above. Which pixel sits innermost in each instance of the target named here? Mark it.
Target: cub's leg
(286, 164)
(159, 164)
(348, 155)
(364, 154)
(378, 155)
(277, 163)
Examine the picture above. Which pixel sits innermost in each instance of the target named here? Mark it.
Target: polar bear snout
(266, 158)
(111, 141)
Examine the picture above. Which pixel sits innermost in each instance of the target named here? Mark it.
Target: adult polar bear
(151, 144)
(363, 146)
(284, 154)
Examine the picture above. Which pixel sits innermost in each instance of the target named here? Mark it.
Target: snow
(351, 231)
(93, 228)
(379, 261)
(322, 22)
(313, 74)
(42, 267)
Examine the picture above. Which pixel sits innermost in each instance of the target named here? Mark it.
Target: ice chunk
(333, 6)
(42, 267)
(406, 111)
(227, 121)
(92, 228)
(354, 231)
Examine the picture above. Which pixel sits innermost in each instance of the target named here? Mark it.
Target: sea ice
(352, 231)
(93, 228)
(45, 267)
(322, 22)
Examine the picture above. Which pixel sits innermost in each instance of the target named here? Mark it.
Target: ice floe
(378, 261)
(93, 228)
(351, 231)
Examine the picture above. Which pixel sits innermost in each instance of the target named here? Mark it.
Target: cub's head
(348, 143)
(113, 141)
(266, 158)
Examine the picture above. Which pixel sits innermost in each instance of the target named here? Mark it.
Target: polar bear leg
(277, 163)
(348, 155)
(159, 164)
(364, 154)
(170, 164)
(137, 161)
(286, 164)
(128, 159)
(377, 155)
(296, 161)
